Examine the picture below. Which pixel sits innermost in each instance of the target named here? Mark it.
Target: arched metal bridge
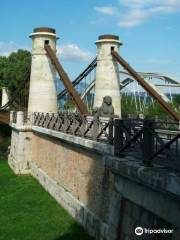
(85, 87)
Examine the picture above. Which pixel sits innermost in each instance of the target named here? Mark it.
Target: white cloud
(71, 52)
(108, 10)
(133, 18)
(68, 52)
(7, 48)
(134, 12)
(138, 11)
(150, 3)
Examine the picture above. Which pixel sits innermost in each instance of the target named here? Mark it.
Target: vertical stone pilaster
(5, 97)
(107, 72)
(20, 151)
(11, 117)
(20, 118)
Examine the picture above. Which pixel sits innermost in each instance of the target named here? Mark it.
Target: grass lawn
(28, 212)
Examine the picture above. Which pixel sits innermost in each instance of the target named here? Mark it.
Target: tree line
(13, 69)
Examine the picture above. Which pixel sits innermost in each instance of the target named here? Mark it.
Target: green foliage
(13, 69)
(69, 105)
(4, 143)
(129, 106)
(28, 212)
(3, 66)
(18, 65)
(154, 110)
(176, 103)
(151, 110)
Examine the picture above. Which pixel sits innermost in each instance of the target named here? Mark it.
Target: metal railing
(99, 129)
(150, 141)
(153, 142)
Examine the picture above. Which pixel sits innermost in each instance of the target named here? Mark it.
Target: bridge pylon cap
(109, 38)
(44, 31)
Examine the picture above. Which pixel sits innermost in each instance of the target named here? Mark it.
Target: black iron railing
(150, 141)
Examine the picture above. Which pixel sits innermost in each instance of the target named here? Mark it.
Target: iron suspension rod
(146, 86)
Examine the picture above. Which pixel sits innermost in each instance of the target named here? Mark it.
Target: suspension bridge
(83, 88)
(102, 77)
(77, 155)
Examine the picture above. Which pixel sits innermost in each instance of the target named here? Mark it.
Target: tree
(3, 66)
(176, 103)
(16, 68)
(69, 105)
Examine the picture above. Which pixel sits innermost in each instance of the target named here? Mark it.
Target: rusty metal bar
(146, 86)
(66, 81)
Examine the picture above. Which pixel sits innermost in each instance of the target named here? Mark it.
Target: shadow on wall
(105, 209)
(82, 173)
(100, 194)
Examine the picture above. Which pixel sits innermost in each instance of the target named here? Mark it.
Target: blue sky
(149, 30)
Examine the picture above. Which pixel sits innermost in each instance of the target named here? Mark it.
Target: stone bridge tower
(42, 93)
(107, 72)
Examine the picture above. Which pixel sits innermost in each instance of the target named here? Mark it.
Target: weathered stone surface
(42, 92)
(20, 151)
(91, 145)
(108, 196)
(107, 75)
(75, 207)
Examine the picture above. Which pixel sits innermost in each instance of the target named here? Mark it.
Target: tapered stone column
(5, 97)
(42, 94)
(107, 72)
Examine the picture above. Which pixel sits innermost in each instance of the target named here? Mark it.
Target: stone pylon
(42, 93)
(107, 72)
(5, 97)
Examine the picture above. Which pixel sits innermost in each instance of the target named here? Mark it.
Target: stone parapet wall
(78, 169)
(109, 196)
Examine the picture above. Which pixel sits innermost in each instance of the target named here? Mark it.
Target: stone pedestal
(42, 94)
(20, 150)
(107, 72)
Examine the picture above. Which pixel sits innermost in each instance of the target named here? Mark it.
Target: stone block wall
(20, 151)
(80, 171)
(110, 197)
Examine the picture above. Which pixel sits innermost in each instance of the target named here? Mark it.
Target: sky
(149, 30)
